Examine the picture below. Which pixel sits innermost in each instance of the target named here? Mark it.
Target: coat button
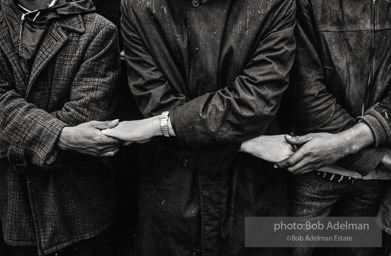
(195, 3)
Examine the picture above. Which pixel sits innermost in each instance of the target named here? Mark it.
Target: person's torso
(354, 39)
(202, 46)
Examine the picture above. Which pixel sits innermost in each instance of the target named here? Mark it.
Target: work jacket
(50, 198)
(220, 68)
(342, 72)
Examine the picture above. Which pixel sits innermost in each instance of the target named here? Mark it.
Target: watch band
(164, 123)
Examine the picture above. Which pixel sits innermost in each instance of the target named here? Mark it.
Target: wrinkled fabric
(27, 30)
(342, 72)
(49, 198)
(220, 67)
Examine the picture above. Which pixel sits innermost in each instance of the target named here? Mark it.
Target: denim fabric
(311, 195)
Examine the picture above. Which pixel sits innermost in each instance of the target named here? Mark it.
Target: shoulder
(143, 6)
(96, 23)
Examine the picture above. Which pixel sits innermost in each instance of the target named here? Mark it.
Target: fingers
(108, 148)
(297, 140)
(301, 166)
(292, 160)
(105, 124)
(110, 153)
(109, 132)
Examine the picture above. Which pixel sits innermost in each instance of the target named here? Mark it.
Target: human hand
(272, 148)
(139, 131)
(316, 150)
(87, 139)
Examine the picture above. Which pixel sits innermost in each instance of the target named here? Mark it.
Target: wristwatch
(164, 123)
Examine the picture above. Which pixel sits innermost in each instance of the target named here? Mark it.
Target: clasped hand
(139, 131)
(315, 150)
(88, 139)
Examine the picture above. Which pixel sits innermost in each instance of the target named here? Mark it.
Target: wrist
(356, 138)
(63, 138)
(156, 129)
(171, 131)
(247, 146)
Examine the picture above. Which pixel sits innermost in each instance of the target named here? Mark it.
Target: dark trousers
(312, 195)
(101, 245)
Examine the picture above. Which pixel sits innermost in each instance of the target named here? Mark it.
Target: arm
(241, 110)
(30, 134)
(318, 110)
(244, 109)
(318, 150)
(93, 97)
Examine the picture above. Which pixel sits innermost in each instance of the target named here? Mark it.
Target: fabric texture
(317, 197)
(220, 68)
(342, 72)
(50, 198)
(27, 29)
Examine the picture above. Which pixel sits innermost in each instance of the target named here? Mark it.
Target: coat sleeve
(143, 72)
(240, 111)
(93, 91)
(317, 110)
(378, 119)
(245, 108)
(217, 122)
(31, 133)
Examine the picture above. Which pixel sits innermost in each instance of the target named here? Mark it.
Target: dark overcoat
(220, 67)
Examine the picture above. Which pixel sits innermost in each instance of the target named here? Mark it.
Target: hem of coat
(62, 245)
(76, 240)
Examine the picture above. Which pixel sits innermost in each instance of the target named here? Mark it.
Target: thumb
(106, 124)
(297, 140)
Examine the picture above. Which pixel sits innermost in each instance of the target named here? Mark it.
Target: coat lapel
(10, 51)
(52, 43)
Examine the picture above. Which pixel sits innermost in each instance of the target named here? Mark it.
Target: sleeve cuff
(379, 126)
(364, 161)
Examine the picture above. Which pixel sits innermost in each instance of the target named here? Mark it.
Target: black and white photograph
(195, 127)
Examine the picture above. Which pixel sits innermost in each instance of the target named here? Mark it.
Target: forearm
(356, 138)
(30, 132)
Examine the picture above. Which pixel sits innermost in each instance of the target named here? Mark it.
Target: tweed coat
(51, 198)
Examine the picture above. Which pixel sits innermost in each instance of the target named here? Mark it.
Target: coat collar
(74, 23)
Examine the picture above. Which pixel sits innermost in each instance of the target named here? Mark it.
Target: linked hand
(269, 148)
(316, 150)
(88, 139)
(139, 131)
